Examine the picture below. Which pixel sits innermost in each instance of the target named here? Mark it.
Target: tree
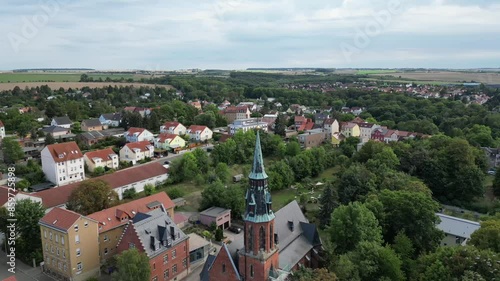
(414, 214)
(149, 189)
(281, 176)
(352, 224)
(29, 241)
(132, 266)
(202, 161)
(222, 172)
(206, 119)
(308, 274)
(49, 139)
(328, 202)
(280, 125)
(174, 192)
(98, 171)
(129, 193)
(190, 167)
(370, 261)
(219, 235)
(355, 183)
(292, 149)
(496, 184)
(12, 151)
(212, 195)
(487, 236)
(92, 196)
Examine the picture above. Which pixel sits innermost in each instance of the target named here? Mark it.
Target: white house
(101, 158)
(247, 124)
(199, 133)
(331, 126)
(136, 151)
(64, 122)
(366, 130)
(174, 127)
(457, 231)
(2, 130)
(169, 141)
(111, 119)
(138, 134)
(63, 163)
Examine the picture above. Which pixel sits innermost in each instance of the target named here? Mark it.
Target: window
(65, 266)
(79, 266)
(57, 238)
(250, 238)
(50, 235)
(64, 253)
(106, 237)
(174, 253)
(77, 239)
(251, 270)
(154, 266)
(223, 268)
(165, 274)
(184, 248)
(78, 252)
(76, 227)
(45, 233)
(47, 247)
(262, 238)
(184, 263)
(174, 269)
(86, 224)
(62, 240)
(57, 251)
(105, 251)
(59, 264)
(131, 245)
(165, 259)
(52, 249)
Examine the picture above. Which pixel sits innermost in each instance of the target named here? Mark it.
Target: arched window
(251, 270)
(250, 238)
(271, 236)
(262, 238)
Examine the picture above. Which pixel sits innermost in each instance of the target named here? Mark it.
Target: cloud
(112, 34)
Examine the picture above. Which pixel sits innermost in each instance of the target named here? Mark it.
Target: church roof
(258, 171)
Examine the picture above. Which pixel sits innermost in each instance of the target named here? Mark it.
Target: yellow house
(168, 141)
(350, 129)
(70, 245)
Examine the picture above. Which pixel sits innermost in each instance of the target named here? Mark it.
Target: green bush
(149, 189)
(175, 192)
(129, 193)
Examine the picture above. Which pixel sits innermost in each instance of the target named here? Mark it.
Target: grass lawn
(58, 77)
(192, 194)
(328, 174)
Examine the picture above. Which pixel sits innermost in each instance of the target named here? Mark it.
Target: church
(273, 244)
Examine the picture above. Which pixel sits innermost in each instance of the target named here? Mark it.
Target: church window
(250, 238)
(262, 238)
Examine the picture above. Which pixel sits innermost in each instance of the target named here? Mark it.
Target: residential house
(111, 119)
(379, 134)
(331, 126)
(143, 111)
(319, 118)
(457, 231)
(247, 124)
(64, 122)
(312, 138)
(16, 195)
(395, 135)
(236, 112)
(196, 104)
(273, 245)
(156, 235)
(56, 131)
(366, 131)
(270, 119)
(70, 245)
(92, 125)
(173, 127)
(136, 151)
(120, 181)
(169, 141)
(101, 158)
(493, 156)
(62, 163)
(94, 137)
(350, 129)
(112, 221)
(138, 134)
(250, 105)
(199, 133)
(220, 216)
(2, 130)
(303, 124)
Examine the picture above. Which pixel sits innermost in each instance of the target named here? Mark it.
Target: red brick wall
(260, 269)
(223, 261)
(129, 237)
(157, 266)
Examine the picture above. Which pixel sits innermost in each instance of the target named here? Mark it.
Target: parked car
(166, 162)
(234, 229)
(492, 172)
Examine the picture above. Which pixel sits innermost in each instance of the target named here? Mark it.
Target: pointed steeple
(258, 172)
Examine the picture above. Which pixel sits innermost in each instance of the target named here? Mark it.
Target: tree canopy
(92, 196)
(132, 266)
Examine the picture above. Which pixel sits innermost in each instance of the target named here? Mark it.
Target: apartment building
(236, 112)
(136, 151)
(70, 245)
(101, 158)
(138, 134)
(169, 141)
(199, 133)
(247, 124)
(173, 128)
(63, 163)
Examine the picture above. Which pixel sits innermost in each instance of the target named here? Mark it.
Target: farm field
(443, 76)
(375, 71)
(11, 77)
(74, 85)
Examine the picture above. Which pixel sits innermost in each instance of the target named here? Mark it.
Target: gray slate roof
(64, 120)
(54, 129)
(112, 116)
(214, 212)
(157, 232)
(457, 226)
(94, 122)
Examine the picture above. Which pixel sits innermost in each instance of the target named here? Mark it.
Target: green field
(59, 77)
(374, 71)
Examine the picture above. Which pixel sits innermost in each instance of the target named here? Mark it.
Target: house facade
(331, 126)
(92, 125)
(366, 130)
(169, 141)
(220, 216)
(457, 231)
(70, 245)
(2, 130)
(64, 122)
(63, 163)
(312, 138)
(199, 133)
(246, 124)
(56, 131)
(236, 112)
(350, 129)
(173, 128)
(111, 119)
(136, 151)
(101, 158)
(156, 235)
(138, 134)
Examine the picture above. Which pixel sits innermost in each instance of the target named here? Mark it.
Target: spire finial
(258, 171)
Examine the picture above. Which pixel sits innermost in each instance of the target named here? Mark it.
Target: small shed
(238, 178)
(179, 202)
(221, 217)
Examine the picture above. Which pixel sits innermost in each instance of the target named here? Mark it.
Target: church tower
(259, 259)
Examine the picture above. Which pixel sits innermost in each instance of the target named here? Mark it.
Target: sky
(240, 34)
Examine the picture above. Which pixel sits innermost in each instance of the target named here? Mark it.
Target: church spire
(258, 172)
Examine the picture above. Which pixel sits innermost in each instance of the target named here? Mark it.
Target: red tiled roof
(103, 154)
(179, 218)
(1, 124)
(142, 145)
(300, 119)
(166, 136)
(129, 108)
(4, 194)
(224, 137)
(58, 196)
(132, 130)
(68, 151)
(195, 128)
(350, 125)
(60, 218)
(358, 120)
(111, 218)
(236, 109)
(171, 124)
(365, 125)
(328, 121)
